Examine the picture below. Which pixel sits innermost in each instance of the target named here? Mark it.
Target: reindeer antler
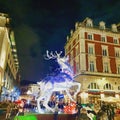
(50, 55)
(58, 54)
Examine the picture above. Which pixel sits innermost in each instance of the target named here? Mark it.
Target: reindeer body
(63, 81)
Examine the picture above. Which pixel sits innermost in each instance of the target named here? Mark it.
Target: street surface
(2, 117)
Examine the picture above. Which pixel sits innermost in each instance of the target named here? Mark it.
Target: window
(90, 49)
(108, 86)
(91, 66)
(77, 67)
(106, 69)
(93, 86)
(118, 87)
(118, 69)
(5, 76)
(116, 41)
(117, 52)
(104, 50)
(103, 39)
(90, 36)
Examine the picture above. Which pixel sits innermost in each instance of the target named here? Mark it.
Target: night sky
(41, 25)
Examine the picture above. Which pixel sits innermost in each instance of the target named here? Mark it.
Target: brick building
(94, 54)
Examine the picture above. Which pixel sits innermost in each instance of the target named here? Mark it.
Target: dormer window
(114, 27)
(89, 23)
(102, 25)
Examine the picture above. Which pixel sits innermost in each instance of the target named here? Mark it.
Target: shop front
(93, 97)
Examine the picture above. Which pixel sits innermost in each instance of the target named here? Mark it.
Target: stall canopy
(110, 99)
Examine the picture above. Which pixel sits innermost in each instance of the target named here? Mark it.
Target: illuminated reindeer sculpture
(61, 82)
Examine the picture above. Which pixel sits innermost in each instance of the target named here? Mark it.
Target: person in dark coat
(83, 115)
(78, 108)
(56, 112)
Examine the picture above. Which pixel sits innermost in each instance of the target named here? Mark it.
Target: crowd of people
(103, 111)
(84, 112)
(12, 110)
(97, 112)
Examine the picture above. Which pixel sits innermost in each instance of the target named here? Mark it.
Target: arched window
(93, 86)
(108, 86)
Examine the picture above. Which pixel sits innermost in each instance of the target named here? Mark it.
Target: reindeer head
(62, 61)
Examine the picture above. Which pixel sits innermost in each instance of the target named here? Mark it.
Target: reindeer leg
(78, 88)
(70, 96)
(38, 103)
(45, 103)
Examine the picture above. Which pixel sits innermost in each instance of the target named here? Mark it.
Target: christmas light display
(63, 81)
(70, 108)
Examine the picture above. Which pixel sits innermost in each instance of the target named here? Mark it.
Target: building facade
(30, 92)
(9, 64)
(94, 54)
